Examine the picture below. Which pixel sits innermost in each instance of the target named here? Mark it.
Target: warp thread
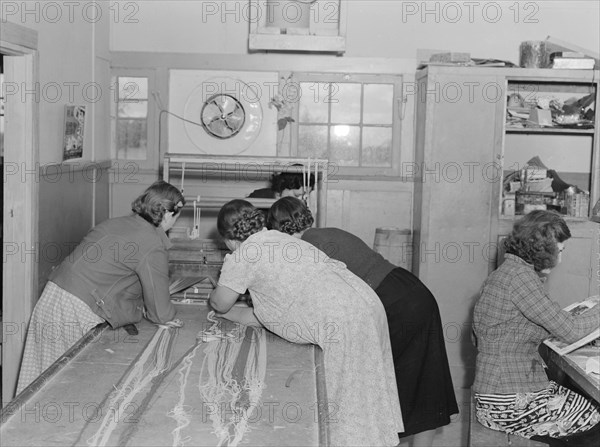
(152, 362)
(218, 387)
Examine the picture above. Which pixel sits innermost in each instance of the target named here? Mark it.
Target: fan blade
(218, 127)
(215, 101)
(234, 121)
(210, 111)
(228, 105)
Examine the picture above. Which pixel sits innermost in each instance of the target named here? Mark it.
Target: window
(131, 118)
(134, 110)
(349, 119)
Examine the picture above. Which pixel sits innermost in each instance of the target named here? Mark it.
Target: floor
(456, 434)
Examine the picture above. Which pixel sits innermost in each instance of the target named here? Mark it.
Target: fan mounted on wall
(222, 116)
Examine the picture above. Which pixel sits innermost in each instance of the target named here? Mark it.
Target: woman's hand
(240, 314)
(222, 299)
(176, 323)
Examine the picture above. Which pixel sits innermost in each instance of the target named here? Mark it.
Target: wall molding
(263, 62)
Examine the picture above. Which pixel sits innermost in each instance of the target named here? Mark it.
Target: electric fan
(223, 116)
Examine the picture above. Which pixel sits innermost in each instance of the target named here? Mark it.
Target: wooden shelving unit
(461, 144)
(566, 146)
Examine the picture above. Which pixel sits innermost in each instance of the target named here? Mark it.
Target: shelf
(564, 216)
(283, 42)
(283, 25)
(550, 130)
(218, 202)
(558, 117)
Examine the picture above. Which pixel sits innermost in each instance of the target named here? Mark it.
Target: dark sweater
(360, 259)
(263, 193)
(119, 268)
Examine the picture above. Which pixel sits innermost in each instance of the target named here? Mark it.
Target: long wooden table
(573, 366)
(71, 403)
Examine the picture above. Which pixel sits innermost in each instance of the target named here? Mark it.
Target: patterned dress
(305, 297)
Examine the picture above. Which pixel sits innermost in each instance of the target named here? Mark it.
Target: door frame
(19, 45)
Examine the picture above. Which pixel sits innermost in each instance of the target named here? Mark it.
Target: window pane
(133, 88)
(377, 146)
(133, 109)
(345, 103)
(378, 104)
(345, 144)
(131, 139)
(312, 141)
(314, 105)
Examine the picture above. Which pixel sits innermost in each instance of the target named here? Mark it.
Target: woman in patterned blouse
(513, 315)
(303, 296)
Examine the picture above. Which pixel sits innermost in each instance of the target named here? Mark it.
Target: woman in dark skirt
(424, 382)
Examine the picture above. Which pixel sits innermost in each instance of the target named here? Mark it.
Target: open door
(18, 46)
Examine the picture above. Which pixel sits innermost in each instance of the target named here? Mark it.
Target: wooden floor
(72, 404)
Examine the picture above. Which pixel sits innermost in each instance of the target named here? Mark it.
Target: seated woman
(422, 373)
(118, 273)
(513, 315)
(286, 184)
(304, 297)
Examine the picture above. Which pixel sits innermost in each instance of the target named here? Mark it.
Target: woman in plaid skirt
(513, 315)
(118, 273)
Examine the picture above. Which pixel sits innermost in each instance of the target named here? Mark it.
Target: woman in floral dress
(305, 297)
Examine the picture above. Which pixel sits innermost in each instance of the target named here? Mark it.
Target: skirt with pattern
(58, 321)
(554, 411)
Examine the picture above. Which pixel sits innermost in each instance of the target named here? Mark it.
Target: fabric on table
(58, 321)
(305, 297)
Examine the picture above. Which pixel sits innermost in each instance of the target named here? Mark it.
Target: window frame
(356, 78)
(152, 156)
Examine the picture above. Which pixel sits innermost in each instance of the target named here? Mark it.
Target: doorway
(18, 46)
(1, 193)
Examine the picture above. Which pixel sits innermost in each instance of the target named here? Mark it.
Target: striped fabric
(554, 411)
(58, 321)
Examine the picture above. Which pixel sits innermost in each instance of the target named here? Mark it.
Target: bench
(480, 436)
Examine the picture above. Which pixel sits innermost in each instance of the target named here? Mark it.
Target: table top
(165, 386)
(573, 365)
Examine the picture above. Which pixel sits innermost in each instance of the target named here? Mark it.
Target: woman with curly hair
(118, 273)
(513, 315)
(422, 372)
(304, 297)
